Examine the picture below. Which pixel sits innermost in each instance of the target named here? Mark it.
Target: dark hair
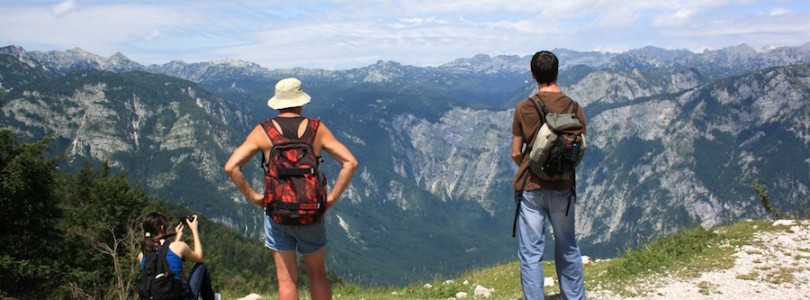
(154, 226)
(295, 109)
(545, 67)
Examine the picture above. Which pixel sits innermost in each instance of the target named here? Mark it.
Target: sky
(344, 34)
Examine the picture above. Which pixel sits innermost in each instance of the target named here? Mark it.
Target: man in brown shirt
(544, 200)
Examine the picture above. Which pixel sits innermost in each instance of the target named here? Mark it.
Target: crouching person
(161, 258)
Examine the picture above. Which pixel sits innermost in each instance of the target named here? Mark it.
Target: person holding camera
(156, 232)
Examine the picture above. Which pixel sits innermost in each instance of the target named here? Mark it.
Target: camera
(186, 219)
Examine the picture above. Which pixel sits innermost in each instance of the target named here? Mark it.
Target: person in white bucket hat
(284, 239)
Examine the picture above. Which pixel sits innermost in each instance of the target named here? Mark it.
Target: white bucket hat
(288, 94)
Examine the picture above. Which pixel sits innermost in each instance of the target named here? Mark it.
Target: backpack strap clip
(283, 172)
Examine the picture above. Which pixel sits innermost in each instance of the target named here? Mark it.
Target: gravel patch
(774, 266)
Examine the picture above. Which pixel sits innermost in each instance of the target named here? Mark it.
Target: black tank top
(289, 126)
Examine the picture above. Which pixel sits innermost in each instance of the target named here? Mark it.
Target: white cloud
(63, 8)
(152, 36)
(778, 12)
(415, 22)
(678, 18)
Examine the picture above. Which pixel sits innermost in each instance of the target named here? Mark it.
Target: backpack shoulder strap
(541, 111)
(311, 131)
(540, 106)
(572, 107)
(271, 130)
(275, 138)
(164, 249)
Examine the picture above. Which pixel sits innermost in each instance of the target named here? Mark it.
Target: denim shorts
(307, 239)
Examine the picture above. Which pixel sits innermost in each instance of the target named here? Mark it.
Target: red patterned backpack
(295, 188)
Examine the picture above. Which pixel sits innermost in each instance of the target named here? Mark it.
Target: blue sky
(343, 34)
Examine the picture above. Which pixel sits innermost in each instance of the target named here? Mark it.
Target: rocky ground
(774, 266)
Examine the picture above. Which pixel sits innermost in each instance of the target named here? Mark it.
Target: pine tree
(29, 210)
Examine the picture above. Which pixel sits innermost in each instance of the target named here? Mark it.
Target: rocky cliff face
(699, 153)
(463, 156)
(168, 134)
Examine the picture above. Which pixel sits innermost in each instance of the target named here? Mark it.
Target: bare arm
(195, 255)
(344, 157)
(182, 249)
(253, 143)
(517, 147)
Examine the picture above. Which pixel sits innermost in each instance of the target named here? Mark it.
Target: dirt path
(774, 266)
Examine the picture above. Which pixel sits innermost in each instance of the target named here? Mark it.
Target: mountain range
(675, 138)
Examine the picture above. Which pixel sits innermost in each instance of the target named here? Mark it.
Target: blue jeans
(199, 283)
(535, 208)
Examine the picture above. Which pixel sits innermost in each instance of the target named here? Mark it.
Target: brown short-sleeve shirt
(525, 125)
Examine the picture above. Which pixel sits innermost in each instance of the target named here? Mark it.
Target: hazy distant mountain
(676, 138)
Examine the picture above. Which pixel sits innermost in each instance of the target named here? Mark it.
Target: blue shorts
(307, 239)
